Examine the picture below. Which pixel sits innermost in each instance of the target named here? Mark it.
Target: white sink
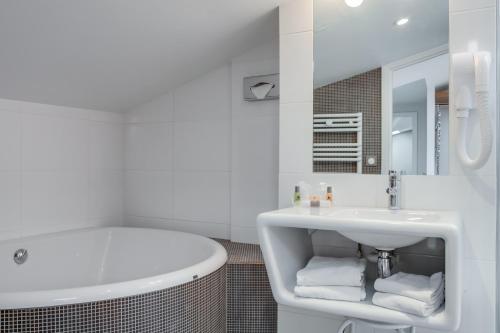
(384, 241)
(287, 246)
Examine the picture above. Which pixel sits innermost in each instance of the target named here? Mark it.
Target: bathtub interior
(98, 257)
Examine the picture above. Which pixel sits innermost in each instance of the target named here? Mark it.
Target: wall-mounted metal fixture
(261, 87)
(20, 256)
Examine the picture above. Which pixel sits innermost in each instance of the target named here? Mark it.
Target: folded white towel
(420, 287)
(339, 293)
(326, 271)
(406, 304)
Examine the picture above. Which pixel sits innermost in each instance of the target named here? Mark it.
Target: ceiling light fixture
(402, 21)
(353, 3)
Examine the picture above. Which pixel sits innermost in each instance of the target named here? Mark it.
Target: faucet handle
(391, 191)
(395, 173)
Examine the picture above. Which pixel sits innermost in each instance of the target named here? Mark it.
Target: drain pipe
(383, 259)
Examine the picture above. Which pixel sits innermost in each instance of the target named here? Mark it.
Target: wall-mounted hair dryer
(474, 65)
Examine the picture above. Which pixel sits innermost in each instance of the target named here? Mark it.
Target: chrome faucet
(394, 190)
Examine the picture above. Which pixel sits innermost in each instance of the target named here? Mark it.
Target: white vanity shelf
(286, 245)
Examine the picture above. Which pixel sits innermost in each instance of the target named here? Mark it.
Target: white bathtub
(102, 263)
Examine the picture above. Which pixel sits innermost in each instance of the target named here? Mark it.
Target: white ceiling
(113, 55)
(349, 41)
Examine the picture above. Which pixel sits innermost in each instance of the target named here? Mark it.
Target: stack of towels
(415, 294)
(341, 279)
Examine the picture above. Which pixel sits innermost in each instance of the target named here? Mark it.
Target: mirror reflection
(381, 86)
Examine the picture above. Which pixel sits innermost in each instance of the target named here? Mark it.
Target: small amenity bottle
(329, 195)
(296, 196)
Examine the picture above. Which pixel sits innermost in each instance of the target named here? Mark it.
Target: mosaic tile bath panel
(195, 307)
(251, 307)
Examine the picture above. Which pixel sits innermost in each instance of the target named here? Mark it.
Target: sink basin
(384, 241)
(287, 245)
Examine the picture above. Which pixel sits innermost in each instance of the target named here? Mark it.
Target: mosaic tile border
(360, 93)
(237, 298)
(242, 253)
(194, 307)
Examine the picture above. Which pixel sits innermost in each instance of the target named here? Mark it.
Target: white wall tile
(149, 146)
(296, 69)
(420, 264)
(297, 321)
(464, 5)
(244, 234)
(206, 98)
(47, 153)
(202, 196)
(10, 200)
(10, 140)
(149, 193)
(432, 192)
(106, 194)
(479, 214)
(106, 145)
(54, 143)
(208, 111)
(160, 109)
(254, 152)
(296, 16)
(295, 138)
(252, 194)
(479, 297)
(54, 198)
(61, 111)
(202, 145)
(255, 144)
(207, 229)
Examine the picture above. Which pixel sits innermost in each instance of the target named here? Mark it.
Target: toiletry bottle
(315, 200)
(296, 196)
(329, 195)
(322, 190)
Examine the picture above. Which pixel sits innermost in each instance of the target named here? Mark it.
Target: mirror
(381, 73)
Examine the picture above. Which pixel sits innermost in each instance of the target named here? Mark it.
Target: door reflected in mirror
(381, 87)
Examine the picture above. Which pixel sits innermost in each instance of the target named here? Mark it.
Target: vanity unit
(285, 238)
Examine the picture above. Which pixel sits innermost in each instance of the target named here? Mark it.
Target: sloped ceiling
(114, 55)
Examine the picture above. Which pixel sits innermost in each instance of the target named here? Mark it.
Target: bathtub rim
(109, 291)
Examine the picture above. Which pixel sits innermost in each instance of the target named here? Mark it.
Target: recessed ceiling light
(353, 3)
(402, 21)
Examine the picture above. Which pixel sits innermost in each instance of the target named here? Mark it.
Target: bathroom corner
(473, 194)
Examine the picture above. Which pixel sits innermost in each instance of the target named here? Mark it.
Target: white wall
(473, 194)
(200, 159)
(420, 108)
(435, 72)
(60, 168)
(254, 177)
